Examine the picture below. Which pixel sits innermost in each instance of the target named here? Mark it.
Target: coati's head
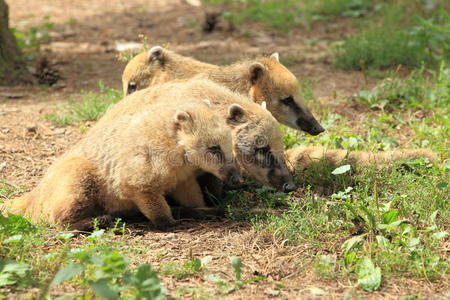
(273, 83)
(207, 142)
(141, 69)
(259, 148)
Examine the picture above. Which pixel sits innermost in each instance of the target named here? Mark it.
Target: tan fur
(262, 79)
(129, 165)
(300, 158)
(257, 126)
(144, 72)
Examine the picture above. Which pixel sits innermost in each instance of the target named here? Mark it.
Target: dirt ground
(82, 45)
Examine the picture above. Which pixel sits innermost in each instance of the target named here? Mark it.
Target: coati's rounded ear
(264, 104)
(256, 72)
(275, 56)
(182, 117)
(156, 53)
(236, 114)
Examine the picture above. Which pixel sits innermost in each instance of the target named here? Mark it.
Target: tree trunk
(12, 65)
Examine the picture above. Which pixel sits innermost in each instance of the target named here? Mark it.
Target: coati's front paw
(163, 223)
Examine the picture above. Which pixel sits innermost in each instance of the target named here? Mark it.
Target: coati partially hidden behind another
(263, 79)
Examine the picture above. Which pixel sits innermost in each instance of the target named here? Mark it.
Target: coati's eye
(288, 100)
(263, 150)
(216, 150)
(265, 158)
(132, 86)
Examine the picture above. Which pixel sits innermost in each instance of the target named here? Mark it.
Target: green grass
(333, 8)
(93, 264)
(391, 33)
(31, 39)
(279, 15)
(283, 16)
(91, 108)
(8, 190)
(417, 91)
(396, 38)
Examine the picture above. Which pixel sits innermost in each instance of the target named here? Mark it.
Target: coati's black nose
(310, 126)
(289, 187)
(235, 178)
(316, 130)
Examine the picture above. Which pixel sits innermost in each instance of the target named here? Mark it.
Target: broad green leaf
(369, 276)
(96, 234)
(428, 229)
(440, 235)
(193, 265)
(13, 239)
(390, 216)
(318, 292)
(65, 236)
(7, 279)
(102, 289)
(433, 216)
(67, 273)
(15, 224)
(382, 241)
(393, 225)
(273, 293)
(371, 281)
(206, 260)
(147, 283)
(341, 170)
(144, 272)
(215, 279)
(11, 271)
(350, 257)
(352, 242)
(413, 242)
(16, 268)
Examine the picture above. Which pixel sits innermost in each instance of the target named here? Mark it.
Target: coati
(257, 139)
(131, 164)
(263, 79)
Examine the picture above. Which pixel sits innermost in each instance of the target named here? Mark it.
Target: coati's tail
(302, 157)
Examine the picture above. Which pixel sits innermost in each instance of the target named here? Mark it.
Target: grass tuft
(423, 40)
(417, 91)
(91, 108)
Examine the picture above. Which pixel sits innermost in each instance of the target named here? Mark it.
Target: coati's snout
(310, 125)
(281, 179)
(303, 117)
(289, 187)
(233, 176)
(267, 165)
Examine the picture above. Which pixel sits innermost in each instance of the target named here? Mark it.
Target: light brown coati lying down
(129, 165)
(257, 139)
(263, 79)
(299, 158)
